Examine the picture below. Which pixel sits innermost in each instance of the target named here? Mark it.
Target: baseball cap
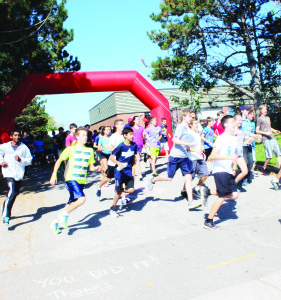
(244, 107)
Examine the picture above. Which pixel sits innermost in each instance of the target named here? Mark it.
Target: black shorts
(129, 183)
(208, 152)
(225, 183)
(110, 172)
(103, 155)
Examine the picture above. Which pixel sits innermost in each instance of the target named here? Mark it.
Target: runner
(14, 156)
(138, 139)
(208, 137)
(164, 138)
(79, 158)
(115, 139)
(218, 129)
(48, 144)
(194, 115)
(269, 141)
(251, 117)
(71, 138)
(179, 158)
(153, 136)
(124, 156)
(225, 157)
(103, 147)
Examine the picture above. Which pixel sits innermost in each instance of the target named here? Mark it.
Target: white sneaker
(193, 204)
(113, 213)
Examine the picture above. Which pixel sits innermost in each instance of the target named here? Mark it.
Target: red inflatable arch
(81, 82)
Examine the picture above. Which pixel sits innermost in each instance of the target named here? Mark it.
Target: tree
(34, 118)
(32, 40)
(215, 41)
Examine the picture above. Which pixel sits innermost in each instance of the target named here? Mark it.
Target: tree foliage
(32, 40)
(34, 118)
(213, 41)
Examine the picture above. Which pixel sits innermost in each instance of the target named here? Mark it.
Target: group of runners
(229, 142)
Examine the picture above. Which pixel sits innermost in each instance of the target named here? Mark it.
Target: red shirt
(218, 129)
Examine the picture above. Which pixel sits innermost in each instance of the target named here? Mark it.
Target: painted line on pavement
(231, 261)
(262, 243)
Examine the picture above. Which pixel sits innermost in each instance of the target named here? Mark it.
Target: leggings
(14, 187)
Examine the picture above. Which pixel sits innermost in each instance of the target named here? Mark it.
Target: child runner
(14, 156)
(269, 141)
(251, 117)
(79, 158)
(115, 139)
(164, 138)
(208, 137)
(96, 144)
(153, 136)
(179, 158)
(225, 157)
(138, 139)
(71, 138)
(124, 156)
(103, 147)
(218, 129)
(240, 135)
(198, 163)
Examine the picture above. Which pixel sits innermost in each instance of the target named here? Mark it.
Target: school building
(124, 105)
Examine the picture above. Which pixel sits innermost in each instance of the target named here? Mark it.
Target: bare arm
(178, 141)
(205, 140)
(53, 179)
(216, 156)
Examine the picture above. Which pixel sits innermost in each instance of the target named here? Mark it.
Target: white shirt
(227, 145)
(194, 137)
(115, 140)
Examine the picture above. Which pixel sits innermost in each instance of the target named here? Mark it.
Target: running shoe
(264, 171)
(124, 201)
(145, 158)
(155, 174)
(197, 193)
(63, 220)
(6, 221)
(150, 184)
(113, 213)
(55, 227)
(98, 191)
(275, 184)
(245, 183)
(205, 193)
(193, 204)
(140, 177)
(184, 194)
(211, 226)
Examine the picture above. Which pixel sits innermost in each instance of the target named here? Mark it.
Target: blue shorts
(175, 163)
(75, 190)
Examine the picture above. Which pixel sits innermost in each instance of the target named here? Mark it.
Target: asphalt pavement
(156, 249)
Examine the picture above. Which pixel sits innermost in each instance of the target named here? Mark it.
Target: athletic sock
(64, 213)
(197, 189)
(209, 220)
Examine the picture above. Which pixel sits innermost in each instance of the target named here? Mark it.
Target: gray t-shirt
(265, 125)
(182, 132)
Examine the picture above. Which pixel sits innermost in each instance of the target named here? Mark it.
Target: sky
(109, 35)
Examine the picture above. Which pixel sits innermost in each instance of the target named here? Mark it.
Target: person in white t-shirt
(115, 139)
(225, 158)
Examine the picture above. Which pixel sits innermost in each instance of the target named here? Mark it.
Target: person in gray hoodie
(14, 157)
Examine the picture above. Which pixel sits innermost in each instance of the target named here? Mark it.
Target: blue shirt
(126, 155)
(104, 143)
(164, 138)
(209, 135)
(246, 128)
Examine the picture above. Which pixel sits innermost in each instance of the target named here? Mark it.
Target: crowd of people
(116, 151)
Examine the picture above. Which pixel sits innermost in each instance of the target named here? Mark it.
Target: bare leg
(118, 194)
(201, 181)
(188, 186)
(279, 161)
(103, 164)
(217, 204)
(244, 169)
(266, 162)
(138, 164)
(73, 205)
(104, 181)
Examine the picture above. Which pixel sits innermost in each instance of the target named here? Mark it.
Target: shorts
(154, 151)
(129, 183)
(199, 168)
(225, 183)
(110, 172)
(208, 152)
(139, 148)
(48, 151)
(185, 164)
(271, 146)
(165, 146)
(97, 155)
(103, 155)
(75, 190)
